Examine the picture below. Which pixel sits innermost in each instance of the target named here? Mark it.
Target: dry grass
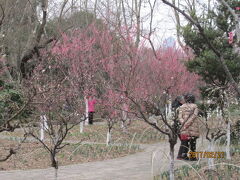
(138, 132)
(33, 155)
(224, 170)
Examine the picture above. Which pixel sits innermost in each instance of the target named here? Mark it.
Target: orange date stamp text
(206, 154)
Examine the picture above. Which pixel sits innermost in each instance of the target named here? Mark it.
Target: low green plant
(11, 100)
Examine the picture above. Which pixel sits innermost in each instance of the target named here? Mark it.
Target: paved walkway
(133, 167)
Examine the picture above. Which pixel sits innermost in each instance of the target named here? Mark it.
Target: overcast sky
(163, 20)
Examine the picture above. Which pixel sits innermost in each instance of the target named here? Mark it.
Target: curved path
(132, 167)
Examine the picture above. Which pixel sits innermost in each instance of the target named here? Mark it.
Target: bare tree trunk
(56, 173)
(81, 125)
(54, 163)
(218, 112)
(42, 127)
(41, 133)
(5, 68)
(86, 103)
(166, 110)
(228, 156)
(211, 149)
(108, 136)
(95, 8)
(170, 108)
(34, 39)
(124, 120)
(138, 6)
(122, 124)
(171, 164)
(45, 122)
(178, 25)
(238, 131)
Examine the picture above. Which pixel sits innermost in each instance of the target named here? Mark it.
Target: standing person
(179, 101)
(91, 109)
(188, 117)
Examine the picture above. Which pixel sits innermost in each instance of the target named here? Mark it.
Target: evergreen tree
(217, 24)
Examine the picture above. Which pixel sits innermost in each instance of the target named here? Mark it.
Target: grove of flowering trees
(97, 61)
(56, 54)
(104, 63)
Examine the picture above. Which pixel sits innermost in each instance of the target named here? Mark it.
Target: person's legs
(90, 117)
(183, 150)
(192, 143)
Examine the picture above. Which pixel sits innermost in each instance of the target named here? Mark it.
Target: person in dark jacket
(179, 101)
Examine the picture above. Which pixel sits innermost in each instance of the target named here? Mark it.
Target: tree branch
(34, 40)
(9, 127)
(11, 152)
(235, 16)
(3, 15)
(216, 52)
